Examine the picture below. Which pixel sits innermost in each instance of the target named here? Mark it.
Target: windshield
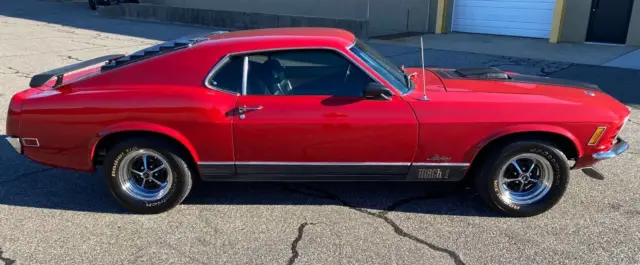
(389, 71)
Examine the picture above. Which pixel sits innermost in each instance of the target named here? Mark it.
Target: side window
(304, 72)
(229, 76)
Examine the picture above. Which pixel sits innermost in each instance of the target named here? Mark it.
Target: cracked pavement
(53, 216)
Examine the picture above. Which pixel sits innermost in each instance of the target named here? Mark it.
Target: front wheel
(523, 179)
(147, 176)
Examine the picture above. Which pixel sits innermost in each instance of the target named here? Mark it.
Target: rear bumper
(620, 147)
(15, 143)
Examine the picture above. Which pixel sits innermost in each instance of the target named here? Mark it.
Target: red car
(310, 104)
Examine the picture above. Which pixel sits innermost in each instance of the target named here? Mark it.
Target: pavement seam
(294, 245)
(611, 60)
(6, 261)
(322, 194)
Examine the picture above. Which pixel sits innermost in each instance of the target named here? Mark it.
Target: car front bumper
(15, 143)
(620, 147)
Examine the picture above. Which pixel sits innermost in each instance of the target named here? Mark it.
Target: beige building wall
(347, 9)
(384, 16)
(575, 22)
(395, 16)
(633, 37)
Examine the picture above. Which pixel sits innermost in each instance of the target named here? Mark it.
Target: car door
(303, 112)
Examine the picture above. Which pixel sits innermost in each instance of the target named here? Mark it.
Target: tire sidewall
(561, 172)
(181, 178)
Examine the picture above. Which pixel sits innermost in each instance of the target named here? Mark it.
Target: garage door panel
(508, 5)
(506, 31)
(500, 15)
(502, 24)
(525, 18)
(530, 1)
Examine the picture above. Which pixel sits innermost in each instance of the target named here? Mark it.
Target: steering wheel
(277, 81)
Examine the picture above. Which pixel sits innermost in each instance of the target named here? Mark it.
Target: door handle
(244, 109)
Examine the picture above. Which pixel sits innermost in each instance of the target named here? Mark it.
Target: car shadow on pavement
(24, 183)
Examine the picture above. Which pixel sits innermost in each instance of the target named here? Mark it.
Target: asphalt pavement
(52, 216)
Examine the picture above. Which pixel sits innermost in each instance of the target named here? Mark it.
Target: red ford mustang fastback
(310, 104)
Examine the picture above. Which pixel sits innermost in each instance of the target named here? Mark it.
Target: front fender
(144, 127)
(524, 128)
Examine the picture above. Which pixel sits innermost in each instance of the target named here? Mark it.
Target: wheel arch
(112, 134)
(565, 141)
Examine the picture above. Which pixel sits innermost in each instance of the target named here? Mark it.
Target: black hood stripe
(518, 78)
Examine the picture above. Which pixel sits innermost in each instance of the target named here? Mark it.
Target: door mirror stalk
(377, 91)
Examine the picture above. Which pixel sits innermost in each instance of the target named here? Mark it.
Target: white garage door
(526, 18)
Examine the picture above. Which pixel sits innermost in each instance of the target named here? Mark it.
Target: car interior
(269, 75)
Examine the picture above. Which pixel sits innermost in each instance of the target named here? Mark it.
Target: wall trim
(441, 17)
(556, 24)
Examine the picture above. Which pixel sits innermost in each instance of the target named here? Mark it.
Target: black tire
(176, 159)
(490, 170)
(93, 5)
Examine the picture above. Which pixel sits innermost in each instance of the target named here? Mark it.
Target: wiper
(407, 77)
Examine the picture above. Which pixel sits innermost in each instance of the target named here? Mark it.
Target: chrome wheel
(526, 179)
(145, 175)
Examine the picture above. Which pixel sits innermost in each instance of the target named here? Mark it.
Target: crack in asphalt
(402, 202)
(19, 176)
(546, 68)
(294, 245)
(16, 72)
(73, 58)
(322, 194)
(6, 261)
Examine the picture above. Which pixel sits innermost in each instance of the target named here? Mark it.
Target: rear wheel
(147, 176)
(524, 178)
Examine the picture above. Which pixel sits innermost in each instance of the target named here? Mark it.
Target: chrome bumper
(15, 143)
(620, 147)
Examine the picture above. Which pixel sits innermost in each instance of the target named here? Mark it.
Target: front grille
(618, 130)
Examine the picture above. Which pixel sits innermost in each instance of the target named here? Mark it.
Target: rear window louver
(161, 48)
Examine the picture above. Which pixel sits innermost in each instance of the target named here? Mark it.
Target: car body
(425, 124)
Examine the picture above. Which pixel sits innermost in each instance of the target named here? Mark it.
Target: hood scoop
(482, 73)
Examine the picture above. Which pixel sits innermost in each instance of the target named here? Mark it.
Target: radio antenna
(424, 83)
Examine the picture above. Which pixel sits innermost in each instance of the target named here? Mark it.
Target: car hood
(569, 91)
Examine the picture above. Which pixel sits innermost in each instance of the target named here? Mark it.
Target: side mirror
(377, 91)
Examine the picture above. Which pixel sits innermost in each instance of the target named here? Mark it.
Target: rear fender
(525, 128)
(145, 127)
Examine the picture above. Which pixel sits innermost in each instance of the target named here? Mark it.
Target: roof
(310, 32)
